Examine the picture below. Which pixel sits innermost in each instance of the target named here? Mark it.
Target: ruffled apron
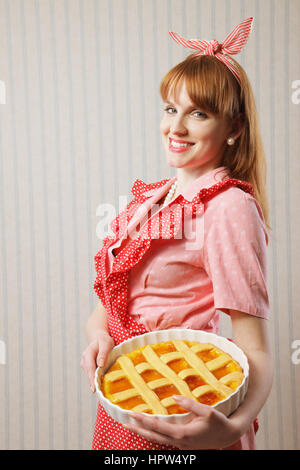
(111, 286)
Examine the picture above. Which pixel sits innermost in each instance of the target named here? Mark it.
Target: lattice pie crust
(145, 380)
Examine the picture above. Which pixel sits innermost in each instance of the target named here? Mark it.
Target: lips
(179, 146)
(180, 141)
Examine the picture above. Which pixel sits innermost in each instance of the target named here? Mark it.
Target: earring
(230, 141)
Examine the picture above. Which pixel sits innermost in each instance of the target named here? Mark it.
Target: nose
(177, 126)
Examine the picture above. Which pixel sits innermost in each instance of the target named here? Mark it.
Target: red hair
(213, 87)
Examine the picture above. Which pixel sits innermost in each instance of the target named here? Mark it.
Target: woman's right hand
(95, 355)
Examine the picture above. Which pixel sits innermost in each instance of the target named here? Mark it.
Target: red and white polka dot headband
(232, 44)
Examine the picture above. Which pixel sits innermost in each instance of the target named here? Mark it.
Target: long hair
(213, 87)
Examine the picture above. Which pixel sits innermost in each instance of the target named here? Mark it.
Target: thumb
(104, 350)
(192, 405)
(101, 358)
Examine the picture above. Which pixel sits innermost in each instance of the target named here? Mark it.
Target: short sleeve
(235, 253)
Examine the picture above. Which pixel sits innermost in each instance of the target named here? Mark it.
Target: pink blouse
(219, 262)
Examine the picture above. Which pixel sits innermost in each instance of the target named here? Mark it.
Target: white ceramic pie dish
(226, 406)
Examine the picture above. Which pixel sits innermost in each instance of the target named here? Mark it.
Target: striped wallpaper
(79, 122)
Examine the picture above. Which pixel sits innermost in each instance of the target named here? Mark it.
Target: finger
(159, 426)
(191, 405)
(92, 379)
(89, 366)
(104, 349)
(102, 356)
(150, 435)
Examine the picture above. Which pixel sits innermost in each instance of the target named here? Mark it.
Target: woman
(162, 277)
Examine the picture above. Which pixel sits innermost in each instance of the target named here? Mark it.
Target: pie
(145, 380)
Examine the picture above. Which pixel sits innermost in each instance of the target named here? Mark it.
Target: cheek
(215, 136)
(164, 126)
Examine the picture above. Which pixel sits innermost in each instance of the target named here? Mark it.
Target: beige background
(80, 124)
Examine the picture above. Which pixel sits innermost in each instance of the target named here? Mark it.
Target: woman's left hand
(207, 429)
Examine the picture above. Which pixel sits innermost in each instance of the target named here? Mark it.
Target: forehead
(178, 94)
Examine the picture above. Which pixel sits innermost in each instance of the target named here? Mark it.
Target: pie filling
(145, 380)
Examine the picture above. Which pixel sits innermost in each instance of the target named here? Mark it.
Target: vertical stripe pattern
(80, 124)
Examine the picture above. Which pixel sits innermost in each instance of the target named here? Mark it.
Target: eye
(169, 109)
(200, 114)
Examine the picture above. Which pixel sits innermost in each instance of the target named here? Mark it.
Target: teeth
(177, 144)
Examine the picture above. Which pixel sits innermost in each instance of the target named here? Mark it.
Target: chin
(175, 164)
(174, 161)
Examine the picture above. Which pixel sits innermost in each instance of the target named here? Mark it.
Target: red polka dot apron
(112, 287)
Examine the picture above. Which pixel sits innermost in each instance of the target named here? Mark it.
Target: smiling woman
(166, 277)
(194, 141)
(226, 111)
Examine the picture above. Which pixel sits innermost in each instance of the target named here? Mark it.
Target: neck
(186, 176)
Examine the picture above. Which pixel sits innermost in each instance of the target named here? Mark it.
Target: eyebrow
(189, 107)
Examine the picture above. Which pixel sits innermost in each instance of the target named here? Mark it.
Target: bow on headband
(233, 44)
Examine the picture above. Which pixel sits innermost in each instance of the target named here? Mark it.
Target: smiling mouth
(179, 146)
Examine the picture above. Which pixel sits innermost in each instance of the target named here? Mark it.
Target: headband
(232, 44)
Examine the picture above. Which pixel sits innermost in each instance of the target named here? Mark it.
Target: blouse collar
(141, 189)
(204, 181)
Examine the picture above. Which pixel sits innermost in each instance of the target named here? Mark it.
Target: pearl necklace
(171, 193)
